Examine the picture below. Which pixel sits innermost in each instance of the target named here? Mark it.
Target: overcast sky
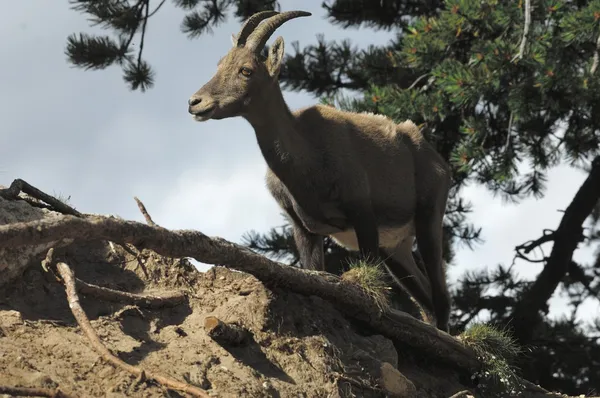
(84, 134)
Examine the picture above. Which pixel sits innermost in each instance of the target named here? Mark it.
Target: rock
(395, 383)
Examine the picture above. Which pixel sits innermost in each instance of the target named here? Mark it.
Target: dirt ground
(298, 346)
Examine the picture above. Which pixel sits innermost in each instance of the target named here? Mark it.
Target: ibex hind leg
(410, 279)
(402, 300)
(429, 232)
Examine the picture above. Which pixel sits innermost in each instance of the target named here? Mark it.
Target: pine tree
(505, 91)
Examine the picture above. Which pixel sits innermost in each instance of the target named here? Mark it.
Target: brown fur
(369, 183)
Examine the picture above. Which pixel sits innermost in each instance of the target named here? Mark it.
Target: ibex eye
(246, 71)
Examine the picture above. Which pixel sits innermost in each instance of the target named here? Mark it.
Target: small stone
(395, 383)
(10, 319)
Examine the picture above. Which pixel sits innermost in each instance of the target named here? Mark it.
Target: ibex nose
(191, 102)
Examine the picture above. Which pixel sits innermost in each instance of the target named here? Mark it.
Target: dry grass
(372, 278)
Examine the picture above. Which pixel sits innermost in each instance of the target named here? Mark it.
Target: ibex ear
(275, 57)
(233, 39)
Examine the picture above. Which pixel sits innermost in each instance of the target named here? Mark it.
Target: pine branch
(523, 249)
(158, 7)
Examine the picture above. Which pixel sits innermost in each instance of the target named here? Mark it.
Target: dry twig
(144, 212)
(349, 299)
(48, 261)
(141, 300)
(69, 280)
(34, 392)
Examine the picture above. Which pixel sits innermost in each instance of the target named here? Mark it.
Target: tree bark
(566, 238)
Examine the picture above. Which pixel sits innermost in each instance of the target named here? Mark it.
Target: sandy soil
(297, 347)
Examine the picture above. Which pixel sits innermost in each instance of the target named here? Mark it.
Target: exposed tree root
(18, 186)
(349, 299)
(141, 300)
(69, 280)
(34, 392)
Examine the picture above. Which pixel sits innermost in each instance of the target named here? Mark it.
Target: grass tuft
(496, 348)
(372, 278)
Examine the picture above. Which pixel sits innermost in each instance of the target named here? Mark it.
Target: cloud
(226, 207)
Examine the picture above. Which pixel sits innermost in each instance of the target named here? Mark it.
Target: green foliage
(278, 243)
(490, 341)
(125, 19)
(509, 109)
(496, 349)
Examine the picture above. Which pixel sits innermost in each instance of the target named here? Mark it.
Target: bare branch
(527, 247)
(156, 9)
(525, 31)
(417, 80)
(348, 298)
(145, 212)
(146, 6)
(141, 300)
(69, 280)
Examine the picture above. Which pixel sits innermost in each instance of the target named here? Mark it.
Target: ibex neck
(277, 132)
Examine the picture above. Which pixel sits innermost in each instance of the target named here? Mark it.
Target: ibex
(369, 183)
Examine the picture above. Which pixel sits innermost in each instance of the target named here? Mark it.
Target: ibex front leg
(309, 245)
(310, 248)
(362, 218)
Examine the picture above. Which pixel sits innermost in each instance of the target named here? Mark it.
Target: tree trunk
(566, 238)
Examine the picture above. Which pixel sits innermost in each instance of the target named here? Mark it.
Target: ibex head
(241, 73)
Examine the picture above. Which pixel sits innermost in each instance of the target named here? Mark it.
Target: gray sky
(84, 134)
